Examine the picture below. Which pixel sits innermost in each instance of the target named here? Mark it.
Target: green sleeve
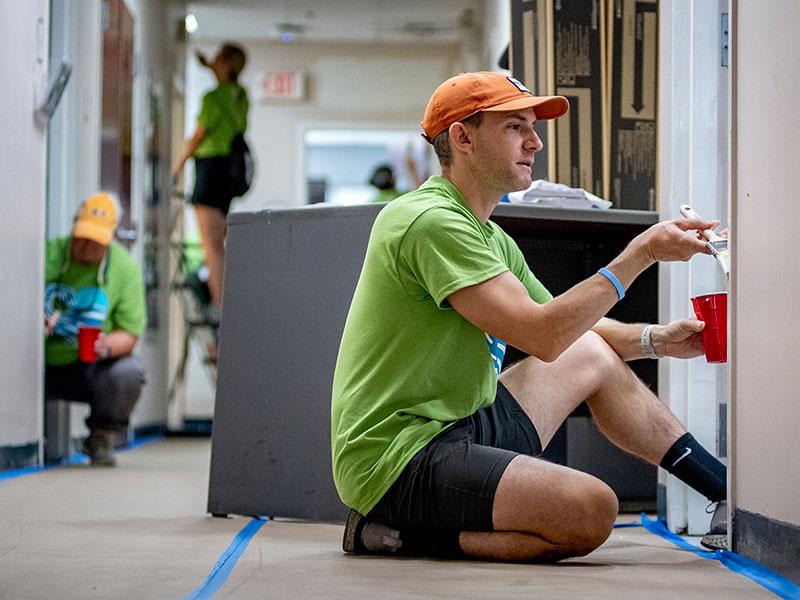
(443, 252)
(129, 313)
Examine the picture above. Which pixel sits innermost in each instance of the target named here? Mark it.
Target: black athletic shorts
(212, 185)
(450, 484)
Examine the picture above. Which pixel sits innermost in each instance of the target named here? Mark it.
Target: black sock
(693, 465)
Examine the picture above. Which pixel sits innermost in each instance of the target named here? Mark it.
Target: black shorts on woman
(212, 185)
(450, 484)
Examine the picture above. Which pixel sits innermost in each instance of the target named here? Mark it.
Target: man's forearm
(501, 306)
(624, 338)
(119, 343)
(630, 263)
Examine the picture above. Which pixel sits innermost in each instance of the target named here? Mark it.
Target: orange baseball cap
(97, 219)
(468, 93)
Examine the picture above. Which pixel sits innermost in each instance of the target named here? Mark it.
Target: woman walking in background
(223, 117)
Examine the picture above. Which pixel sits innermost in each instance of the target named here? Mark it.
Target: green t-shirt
(75, 291)
(409, 365)
(223, 114)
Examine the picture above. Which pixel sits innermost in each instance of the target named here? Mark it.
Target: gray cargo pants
(111, 387)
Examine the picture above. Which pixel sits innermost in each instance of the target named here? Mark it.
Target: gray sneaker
(717, 536)
(368, 537)
(99, 447)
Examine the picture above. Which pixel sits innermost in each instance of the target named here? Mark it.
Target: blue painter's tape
(737, 563)
(660, 529)
(76, 459)
(11, 473)
(227, 561)
(620, 525)
(760, 574)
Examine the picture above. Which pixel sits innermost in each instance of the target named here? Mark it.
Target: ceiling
(433, 21)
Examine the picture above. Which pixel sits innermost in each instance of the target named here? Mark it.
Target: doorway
(340, 161)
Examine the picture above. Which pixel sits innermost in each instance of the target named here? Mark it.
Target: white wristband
(647, 343)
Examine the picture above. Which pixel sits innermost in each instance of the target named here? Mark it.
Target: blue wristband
(614, 281)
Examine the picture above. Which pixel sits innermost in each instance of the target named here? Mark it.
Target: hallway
(141, 531)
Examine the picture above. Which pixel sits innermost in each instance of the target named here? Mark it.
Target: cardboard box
(531, 57)
(603, 56)
(633, 117)
(579, 74)
(558, 48)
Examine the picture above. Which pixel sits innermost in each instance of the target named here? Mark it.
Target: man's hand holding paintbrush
(716, 242)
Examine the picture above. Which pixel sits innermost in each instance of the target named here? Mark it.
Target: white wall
(23, 46)
(765, 343)
(693, 169)
(383, 84)
(74, 131)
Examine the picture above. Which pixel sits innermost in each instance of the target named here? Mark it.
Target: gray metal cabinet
(289, 278)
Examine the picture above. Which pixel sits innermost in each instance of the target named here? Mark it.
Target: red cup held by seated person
(713, 310)
(87, 336)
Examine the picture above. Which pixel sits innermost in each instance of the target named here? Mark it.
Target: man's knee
(126, 375)
(586, 520)
(599, 356)
(587, 515)
(595, 509)
(574, 511)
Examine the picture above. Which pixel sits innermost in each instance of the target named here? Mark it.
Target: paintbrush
(716, 243)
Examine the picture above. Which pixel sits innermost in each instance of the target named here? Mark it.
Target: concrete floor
(141, 531)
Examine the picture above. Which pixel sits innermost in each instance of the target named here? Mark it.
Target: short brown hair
(234, 59)
(441, 143)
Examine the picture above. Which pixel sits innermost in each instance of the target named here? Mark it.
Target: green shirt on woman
(223, 114)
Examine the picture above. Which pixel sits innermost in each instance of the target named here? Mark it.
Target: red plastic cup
(87, 336)
(713, 310)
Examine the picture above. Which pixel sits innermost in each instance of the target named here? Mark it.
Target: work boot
(99, 447)
(368, 537)
(717, 536)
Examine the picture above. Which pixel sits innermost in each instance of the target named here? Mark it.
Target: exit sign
(282, 85)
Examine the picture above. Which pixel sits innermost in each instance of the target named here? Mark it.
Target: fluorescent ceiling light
(191, 24)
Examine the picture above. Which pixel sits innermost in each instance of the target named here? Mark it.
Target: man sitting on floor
(434, 445)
